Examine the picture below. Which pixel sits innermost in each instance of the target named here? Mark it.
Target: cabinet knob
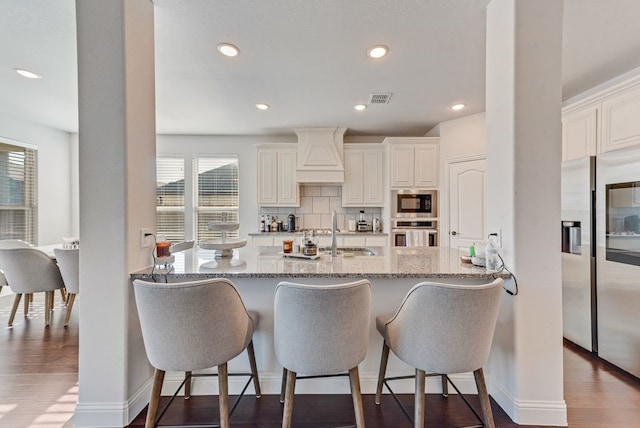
(454, 233)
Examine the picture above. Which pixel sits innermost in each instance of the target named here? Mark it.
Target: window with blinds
(214, 197)
(170, 197)
(18, 197)
(216, 194)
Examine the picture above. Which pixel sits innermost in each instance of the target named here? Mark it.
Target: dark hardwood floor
(38, 388)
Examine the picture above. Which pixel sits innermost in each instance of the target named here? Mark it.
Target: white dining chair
(29, 271)
(69, 263)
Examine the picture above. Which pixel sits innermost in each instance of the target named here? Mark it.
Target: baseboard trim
(530, 412)
(113, 414)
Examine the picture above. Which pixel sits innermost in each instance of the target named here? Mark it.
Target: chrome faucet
(334, 226)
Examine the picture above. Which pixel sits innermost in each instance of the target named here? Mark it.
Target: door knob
(454, 233)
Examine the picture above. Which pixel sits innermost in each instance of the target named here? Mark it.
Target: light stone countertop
(265, 262)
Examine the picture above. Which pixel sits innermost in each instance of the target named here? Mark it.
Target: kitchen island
(257, 271)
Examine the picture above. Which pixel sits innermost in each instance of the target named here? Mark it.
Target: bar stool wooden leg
(223, 386)
(283, 387)
(26, 304)
(382, 372)
(418, 418)
(187, 385)
(48, 297)
(254, 369)
(14, 308)
(483, 395)
(354, 379)
(158, 378)
(445, 385)
(70, 299)
(288, 400)
(63, 294)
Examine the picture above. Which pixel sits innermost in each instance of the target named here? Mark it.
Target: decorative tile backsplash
(316, 205)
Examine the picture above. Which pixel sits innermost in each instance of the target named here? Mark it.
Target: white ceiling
(304, 58)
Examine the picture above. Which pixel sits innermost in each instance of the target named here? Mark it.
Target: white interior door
(467, 209)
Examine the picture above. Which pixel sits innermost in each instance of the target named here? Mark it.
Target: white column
(117, 198)
(524, 43)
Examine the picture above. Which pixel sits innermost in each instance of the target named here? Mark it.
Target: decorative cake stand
(223, 247)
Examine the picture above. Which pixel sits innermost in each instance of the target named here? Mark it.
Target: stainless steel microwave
(414, 203)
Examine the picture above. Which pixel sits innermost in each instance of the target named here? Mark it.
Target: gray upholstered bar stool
(29, 271)
(442, 329)
(321, 330)
(192, 326)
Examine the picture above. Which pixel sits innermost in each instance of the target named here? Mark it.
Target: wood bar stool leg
(445, 385)
(283, 387)
(187, 385)
(288, 400)
(63, 294)
(223, 386)
(254, 369)
(70, 298)
(26, 304)
(14, 308)
(48, 297)
(483, 395)
(418, 417)
(152, 410)
(382, 372)
(354, 379)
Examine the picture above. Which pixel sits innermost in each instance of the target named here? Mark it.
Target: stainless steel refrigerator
(601, 255)
(618, 258)
(578, 254)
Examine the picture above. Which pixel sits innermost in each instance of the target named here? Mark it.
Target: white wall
(54, 174)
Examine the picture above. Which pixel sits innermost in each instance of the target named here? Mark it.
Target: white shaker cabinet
(364, 176)
(579, 133)
(277, 186)
(414, 162)
(621, 120)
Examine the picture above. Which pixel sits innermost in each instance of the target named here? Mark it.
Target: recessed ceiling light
(457, 107)
(228, 49)
(28, 74)
(377, 51)
(262, 106)
(360, 107)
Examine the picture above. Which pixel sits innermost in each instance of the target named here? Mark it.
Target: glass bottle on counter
(274, 224)
(262, 223)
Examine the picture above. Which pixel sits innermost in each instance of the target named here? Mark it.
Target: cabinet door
(262, 241)
(373, 178)
(353, 187)
(579, 133)
(402, 166)
(353, 241)
(288, 189)
(426, 165)
(376, 241)
(620, 124)
(267, 178)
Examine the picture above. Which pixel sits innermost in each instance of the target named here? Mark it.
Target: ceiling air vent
(380, 98)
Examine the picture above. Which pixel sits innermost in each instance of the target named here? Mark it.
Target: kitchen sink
(351, 251)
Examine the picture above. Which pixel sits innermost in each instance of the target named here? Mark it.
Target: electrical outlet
(495, 234)
(146, 241)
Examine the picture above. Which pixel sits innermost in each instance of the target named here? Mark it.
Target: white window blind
(216, 194)
(18, 197)
(170, 197)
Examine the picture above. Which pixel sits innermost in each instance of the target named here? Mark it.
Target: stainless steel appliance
(578, 253)
(414, 203)
(601, 255)
(414, 233)
(618, 258)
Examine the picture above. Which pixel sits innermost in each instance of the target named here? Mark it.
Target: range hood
(320, 155)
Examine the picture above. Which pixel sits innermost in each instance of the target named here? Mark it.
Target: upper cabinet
(579, 133)
(621, 120)
(277, 186)
(364, 175)
(414, 162)
(601, 122)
